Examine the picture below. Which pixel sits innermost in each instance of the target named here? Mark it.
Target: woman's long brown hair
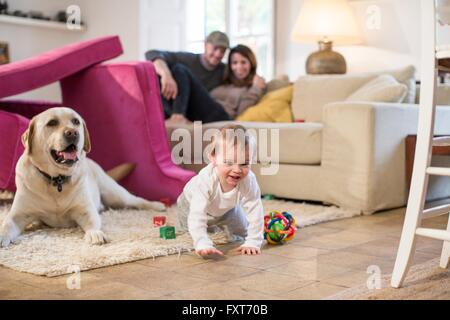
(248, 54)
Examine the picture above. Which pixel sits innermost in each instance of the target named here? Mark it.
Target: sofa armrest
(363, 154)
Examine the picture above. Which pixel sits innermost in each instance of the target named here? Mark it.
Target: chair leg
(406, 251)
(445, 257)
(416, 203)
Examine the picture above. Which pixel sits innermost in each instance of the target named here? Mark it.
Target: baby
(224, 193)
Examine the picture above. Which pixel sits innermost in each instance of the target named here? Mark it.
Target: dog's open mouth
(66, 157)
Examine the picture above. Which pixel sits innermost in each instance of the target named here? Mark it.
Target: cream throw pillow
(383, 88)
(313, 92)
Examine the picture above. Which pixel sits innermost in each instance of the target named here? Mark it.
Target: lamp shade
(332, 20)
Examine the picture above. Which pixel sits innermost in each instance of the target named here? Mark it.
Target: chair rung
(443, 54)
(441, 142)
(438, 171)
(436, 211)
(434, 234)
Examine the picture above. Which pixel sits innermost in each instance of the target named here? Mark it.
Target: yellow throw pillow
(273, 107)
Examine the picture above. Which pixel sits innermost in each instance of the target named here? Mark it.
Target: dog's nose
(71, 135)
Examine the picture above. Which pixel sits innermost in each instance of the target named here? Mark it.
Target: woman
(243, 87)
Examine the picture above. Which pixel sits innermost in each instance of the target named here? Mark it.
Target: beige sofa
(350, 154)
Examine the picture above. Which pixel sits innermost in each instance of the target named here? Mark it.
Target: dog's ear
(87, 139)
(27, 137)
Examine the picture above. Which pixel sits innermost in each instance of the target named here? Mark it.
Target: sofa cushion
(313, 92)
(279, 82)
(383, 88)
(12, 126)
(39, 71)
(299, 143)
(273, 107)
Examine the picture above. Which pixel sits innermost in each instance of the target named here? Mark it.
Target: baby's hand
(209, 251)
(251, 251)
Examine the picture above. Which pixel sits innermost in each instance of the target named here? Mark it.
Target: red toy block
(159, 221)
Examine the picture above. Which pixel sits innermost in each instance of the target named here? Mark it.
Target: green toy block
(268, 197)
(167, 233)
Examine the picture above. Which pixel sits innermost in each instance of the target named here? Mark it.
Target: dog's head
(57, 138)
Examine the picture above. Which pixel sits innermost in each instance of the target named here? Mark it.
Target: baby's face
(232, 166)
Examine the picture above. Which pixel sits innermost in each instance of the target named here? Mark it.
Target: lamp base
(326, 61)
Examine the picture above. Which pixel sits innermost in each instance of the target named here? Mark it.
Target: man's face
(214, 54)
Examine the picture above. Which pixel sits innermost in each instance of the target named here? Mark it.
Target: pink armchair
(120, 103)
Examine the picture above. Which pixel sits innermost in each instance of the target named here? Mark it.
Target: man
(187, 78)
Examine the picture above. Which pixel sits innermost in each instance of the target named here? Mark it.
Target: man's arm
(163, 61)
(169, 87)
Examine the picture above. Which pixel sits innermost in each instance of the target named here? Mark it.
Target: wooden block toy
(268, 197)
(167, 233)
(159, 221)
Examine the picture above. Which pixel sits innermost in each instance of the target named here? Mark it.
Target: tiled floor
(322, 260)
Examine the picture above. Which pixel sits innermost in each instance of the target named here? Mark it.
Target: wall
(395, 43)
(162, 25)
(102, 17)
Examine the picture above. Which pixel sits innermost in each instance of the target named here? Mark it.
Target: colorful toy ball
(279, 227)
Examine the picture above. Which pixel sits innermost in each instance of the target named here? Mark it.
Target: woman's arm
(250, 98)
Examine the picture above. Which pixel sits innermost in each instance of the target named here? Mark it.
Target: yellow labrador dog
(58, 186)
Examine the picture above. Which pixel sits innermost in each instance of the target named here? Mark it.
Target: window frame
(228, 30)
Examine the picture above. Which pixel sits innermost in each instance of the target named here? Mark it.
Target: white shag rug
(54, 252)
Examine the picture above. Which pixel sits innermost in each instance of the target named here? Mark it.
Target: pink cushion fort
(120, 103)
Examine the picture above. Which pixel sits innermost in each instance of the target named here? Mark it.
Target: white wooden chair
(416, 212)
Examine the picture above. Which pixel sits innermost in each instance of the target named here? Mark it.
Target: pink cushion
(12, 126)
(14, 120)
(36, 72)
(27, 108)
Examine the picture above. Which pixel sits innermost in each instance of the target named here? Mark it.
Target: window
(249, 22)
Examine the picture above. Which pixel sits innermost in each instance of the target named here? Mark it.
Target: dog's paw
(158, 206)
(95, 237)
(153, 205)
(5, 241)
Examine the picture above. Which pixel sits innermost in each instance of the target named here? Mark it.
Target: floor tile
(309, 270)
(216, 291)
(314, 291)
(296, 251)
(269, 282)
(263, 261)
(217, 271)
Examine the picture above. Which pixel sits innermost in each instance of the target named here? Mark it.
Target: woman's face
(240, 66)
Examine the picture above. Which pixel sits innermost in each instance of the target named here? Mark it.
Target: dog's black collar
(56, 181)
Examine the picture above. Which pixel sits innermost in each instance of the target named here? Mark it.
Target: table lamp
(326, 22)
